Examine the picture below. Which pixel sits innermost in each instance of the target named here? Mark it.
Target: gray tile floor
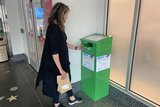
(19, 74)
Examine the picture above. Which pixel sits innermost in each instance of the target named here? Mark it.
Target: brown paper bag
(63, 85)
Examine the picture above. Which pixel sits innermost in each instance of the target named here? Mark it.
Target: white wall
(86, 17)
(14, 26)
(21, 20)
(101, 9)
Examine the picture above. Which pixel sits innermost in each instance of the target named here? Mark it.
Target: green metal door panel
(103, 49)
(102, 84)
(87, 82)
(87, 79)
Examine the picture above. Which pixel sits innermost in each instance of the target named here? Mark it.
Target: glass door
(39, 25)
(33, 52)
(146, 70)
(41, 13)
(120, 20)
(34, 13)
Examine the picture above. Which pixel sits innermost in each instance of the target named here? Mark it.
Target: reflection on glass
(1, 26)
(40, 18)
(40, 24)
(1, 30)
(30, 26)
(26, 13)
(40, 21)
(146, 70)
(30, 18)
(120, 25)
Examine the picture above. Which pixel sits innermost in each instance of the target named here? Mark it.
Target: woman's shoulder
(53, 29)
(53, 26)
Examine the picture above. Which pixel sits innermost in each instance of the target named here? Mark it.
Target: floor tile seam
(13, 85)
(33, 70)
(31, 87)
(29, 67)
(31, 80)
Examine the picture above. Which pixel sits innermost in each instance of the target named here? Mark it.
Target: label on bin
(103, 62)
(88, 61)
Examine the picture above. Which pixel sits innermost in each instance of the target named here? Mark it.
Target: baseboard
(124, 98)
(20, 57)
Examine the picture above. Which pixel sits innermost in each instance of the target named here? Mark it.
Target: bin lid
(3, 43)
(97, 38)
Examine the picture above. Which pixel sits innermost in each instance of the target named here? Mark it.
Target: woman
(55, 59)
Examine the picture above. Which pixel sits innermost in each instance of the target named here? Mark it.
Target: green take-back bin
(95, 65)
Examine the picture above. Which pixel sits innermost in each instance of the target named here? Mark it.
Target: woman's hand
(80, 47)
(63, 74)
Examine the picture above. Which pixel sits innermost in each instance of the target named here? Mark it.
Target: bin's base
(95, 84)
(94, 98)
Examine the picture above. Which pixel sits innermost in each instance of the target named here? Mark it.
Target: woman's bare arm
(73, 47)
(70, 46)
(58, 64)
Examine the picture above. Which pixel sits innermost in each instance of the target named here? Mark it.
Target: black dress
(55, 43)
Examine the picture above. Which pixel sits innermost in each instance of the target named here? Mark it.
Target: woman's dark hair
(57, 13)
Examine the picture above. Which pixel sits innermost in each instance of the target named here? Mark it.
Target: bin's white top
(3, 43)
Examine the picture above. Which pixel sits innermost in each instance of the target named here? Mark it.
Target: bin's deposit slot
(88, 46)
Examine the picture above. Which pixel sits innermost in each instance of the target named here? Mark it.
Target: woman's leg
(56, 98)
(72, 98)
(70, 94)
